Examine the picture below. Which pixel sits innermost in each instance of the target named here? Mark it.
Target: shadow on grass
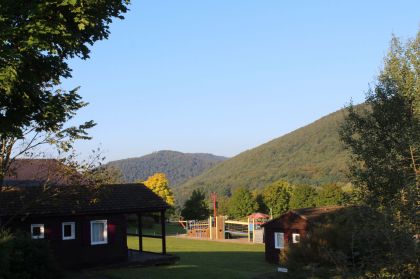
(215, 265)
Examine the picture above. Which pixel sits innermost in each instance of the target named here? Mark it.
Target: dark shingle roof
(316, 213)
(312, 214)
(79, 200)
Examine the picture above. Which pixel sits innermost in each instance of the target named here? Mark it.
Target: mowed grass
(171, 229)
(199, 259)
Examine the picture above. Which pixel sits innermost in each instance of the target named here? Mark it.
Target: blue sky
(221, 77)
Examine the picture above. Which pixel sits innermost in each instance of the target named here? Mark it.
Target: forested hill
(310, 155)
(178, 167)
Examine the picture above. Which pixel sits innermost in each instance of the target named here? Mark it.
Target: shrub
(356, 240)
(6, 247)
(24, 258)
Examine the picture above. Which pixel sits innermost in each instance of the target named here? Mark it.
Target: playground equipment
(220, 228)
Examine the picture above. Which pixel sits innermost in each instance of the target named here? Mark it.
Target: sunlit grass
(199, 259)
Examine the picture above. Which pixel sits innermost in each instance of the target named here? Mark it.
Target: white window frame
(41, 230)
(73, 230)
(294, 236)
(105, 232)
(276, 238)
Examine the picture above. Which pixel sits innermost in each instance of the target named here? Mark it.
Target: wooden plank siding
(79, 252)
(288, 224)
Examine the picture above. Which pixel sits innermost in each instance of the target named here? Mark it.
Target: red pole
(214, 198)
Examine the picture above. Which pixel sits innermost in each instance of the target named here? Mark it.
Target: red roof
(258, 215)
(35, 172)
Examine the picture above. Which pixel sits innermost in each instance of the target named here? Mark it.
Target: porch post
(140, 232)
(163, 232)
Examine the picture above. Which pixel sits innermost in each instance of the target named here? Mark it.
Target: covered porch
(142, 256)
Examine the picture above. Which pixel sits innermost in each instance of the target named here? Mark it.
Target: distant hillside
(310, 155)
(178, 167)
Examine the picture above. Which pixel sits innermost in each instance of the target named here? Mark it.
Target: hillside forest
(177, 166)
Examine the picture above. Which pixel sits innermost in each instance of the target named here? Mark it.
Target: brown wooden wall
(288, 224)
(79, 252)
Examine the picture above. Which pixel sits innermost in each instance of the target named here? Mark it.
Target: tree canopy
(276, 196)
(330, 194)
(196, 207)
(159, 184)
(303, 196)
(242, 203)
(384, 135)
(37, 39)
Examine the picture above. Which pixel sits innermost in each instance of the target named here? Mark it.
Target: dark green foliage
(330, 194)
(303, 196)
(24, 258)
(311, 155)
(262, 206)
(355, 240)
(379, 139)
(37, 39)
(178, 167)
(196, 207)
(384, 138)
(222, 205)
(277, 197)
(242, 203)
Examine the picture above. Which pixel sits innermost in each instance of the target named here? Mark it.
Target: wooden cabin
(84, 225)
(290, 227)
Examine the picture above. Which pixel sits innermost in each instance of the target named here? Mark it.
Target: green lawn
(199, 259)
(171, 229)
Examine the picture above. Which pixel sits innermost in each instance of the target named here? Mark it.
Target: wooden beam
(140, 232)
(249, 232)
(163, 231)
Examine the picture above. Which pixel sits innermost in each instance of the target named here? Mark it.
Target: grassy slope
(310, 155)
(200, 259)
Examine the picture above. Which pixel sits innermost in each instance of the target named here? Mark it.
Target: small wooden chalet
(84, 225)
(290, 227)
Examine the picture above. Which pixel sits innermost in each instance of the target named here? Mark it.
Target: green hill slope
(178, 167)
(310, 155)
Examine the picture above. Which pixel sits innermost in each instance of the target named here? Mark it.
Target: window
(68, 230)
(98, 232)
(295, 238)
(278, 240)
(37, 231)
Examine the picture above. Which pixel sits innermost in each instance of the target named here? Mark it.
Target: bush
(24, 258)
(356, 240)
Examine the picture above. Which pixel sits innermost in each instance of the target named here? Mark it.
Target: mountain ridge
(177, 166)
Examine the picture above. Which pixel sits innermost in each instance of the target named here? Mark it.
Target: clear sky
(223, 76)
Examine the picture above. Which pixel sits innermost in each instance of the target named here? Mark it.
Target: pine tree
(196, 207)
